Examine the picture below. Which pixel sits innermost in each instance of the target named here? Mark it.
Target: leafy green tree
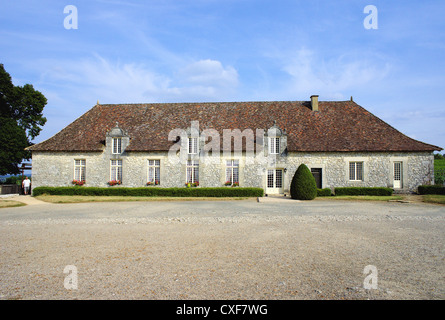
(303, 185)
(21, 120)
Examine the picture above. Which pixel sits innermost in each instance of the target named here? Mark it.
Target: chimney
(314, 102)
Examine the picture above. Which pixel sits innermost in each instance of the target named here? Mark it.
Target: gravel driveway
(223, 250)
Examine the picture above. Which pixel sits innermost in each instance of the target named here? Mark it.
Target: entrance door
(274, 181)
(397, 175)
(316, 172)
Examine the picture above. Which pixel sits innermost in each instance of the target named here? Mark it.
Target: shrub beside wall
(431, 189)
(303, 185)
(363, 191)
(150, 192)
(326, 192)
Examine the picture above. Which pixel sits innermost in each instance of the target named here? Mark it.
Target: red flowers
(78, 182)
(114, 182)
(155, 183)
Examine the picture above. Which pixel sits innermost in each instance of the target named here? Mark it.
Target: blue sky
(231, 50)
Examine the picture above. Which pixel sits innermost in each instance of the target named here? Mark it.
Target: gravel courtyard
(223, 250)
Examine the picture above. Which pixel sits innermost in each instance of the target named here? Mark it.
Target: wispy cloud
(334, 78)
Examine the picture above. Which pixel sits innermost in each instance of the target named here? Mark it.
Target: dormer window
(117, 145)
(192, 145)
(276, 140)
(274, 145)
(117, 140)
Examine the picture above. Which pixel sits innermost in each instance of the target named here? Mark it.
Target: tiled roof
(337, 126)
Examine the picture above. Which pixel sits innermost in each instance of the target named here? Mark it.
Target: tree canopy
(21, 120)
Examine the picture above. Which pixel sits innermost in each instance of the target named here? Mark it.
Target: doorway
(274, 181)
(398, 183)
(316, 172)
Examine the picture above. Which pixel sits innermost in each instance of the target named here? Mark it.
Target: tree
(21, 120)
(303, 185)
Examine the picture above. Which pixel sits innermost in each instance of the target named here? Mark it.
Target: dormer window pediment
(276, 140)
(118, 139)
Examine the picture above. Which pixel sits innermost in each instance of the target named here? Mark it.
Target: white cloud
(99, 78)
(209, 73)
(333, 78)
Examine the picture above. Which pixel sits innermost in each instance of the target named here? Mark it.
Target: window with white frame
(154, 171)
(116, 170)
(274, 145)
(192, 171)
(232, 172)
(117, 145)
(356, 171)
(192, 145)
(79, 169)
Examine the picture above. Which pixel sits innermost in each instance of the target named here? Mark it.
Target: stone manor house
(250, 144)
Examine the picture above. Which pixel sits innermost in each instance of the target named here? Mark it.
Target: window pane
(235, 175)
(117, 145)
(270, 178)
(229, 174)
(116, 170)
(277, 145)
(279, 179)
(352, 171)
(192, 171)
(359, 174)
(274, 145)
(193, 146)
(79, 169)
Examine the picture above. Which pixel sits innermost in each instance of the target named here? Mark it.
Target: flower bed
(114, 182)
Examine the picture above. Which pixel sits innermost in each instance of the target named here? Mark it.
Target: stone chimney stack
(314, 102)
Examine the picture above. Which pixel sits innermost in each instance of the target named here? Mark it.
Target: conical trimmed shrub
(303, 185)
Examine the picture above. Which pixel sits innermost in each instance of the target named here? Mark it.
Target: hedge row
(363, 191)
(326, 192)
(150, 192)
(431, 189)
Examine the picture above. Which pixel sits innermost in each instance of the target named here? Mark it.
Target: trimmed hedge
(363, 191)
(150, 192)
(431, 189)
(326, 192)
(303, 185)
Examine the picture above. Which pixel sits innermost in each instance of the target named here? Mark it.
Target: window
(154, 171)
(356, 171)
(117, 145)
(116, 170)
(193, 145)
(274, 145)
(232, 172)
(79, 170)
(192, 171)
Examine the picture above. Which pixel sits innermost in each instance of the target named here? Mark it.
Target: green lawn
(434, 198)
(10, 203)
(362, 198)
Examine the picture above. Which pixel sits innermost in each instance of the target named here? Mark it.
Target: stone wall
(57, 168)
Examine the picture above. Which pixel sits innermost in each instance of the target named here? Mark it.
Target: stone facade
(57, 168)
